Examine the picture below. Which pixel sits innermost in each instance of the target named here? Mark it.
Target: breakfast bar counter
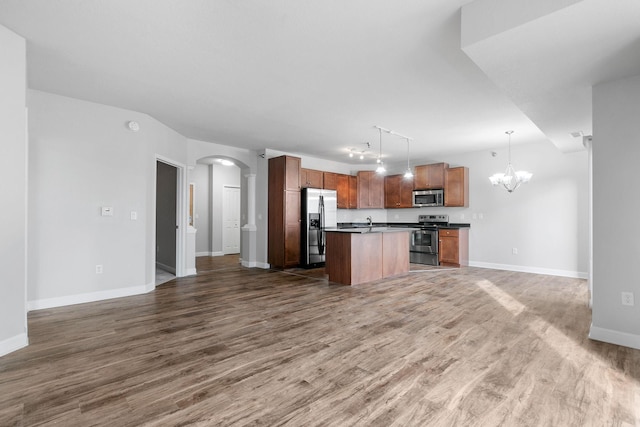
(360, 255)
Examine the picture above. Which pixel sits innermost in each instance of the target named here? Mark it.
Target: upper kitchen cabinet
(370, 190)
(284, 212)
(353, 192)
(398, 192)
(285, 172)
(456, 187)
(330, 180)
(340, 183)
(310, 178)
(430, 177)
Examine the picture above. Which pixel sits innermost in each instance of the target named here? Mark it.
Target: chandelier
(510, 179)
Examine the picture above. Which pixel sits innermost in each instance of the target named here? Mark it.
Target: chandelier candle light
(510, 179)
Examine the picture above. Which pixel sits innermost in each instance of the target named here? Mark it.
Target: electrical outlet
(98, 269)
(514, 251)
(627, 298)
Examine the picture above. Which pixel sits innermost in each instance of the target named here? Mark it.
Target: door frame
(181, 215)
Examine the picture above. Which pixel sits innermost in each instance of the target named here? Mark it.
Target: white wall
(82, 157)
(616, 203)
(13, 192)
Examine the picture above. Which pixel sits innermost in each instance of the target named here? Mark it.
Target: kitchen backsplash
(459, 215)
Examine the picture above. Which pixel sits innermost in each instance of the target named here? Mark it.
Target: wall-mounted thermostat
(107, 211)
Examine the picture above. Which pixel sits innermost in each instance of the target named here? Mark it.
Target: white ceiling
(315, 77)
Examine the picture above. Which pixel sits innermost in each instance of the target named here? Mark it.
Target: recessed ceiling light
(225, 162)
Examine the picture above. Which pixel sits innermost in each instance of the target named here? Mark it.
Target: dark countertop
(451, 225)
(374, 229)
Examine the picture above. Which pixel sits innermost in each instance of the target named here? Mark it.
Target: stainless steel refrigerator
(319, 212)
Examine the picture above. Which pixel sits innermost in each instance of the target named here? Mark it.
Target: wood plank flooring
(238, 346)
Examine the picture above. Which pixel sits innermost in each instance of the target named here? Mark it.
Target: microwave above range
(424, 198)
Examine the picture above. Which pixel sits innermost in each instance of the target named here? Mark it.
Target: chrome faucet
(370, 221)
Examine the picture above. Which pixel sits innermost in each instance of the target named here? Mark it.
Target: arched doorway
(216, 207)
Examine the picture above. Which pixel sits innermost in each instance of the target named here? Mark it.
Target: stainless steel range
(423, 247)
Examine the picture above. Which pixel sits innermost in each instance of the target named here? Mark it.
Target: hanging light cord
(509, 132)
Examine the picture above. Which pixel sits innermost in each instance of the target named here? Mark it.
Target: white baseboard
(191, 272)
(209, 254)
(614, 337)
(527, 269)
(165, 267)
(88, 297)
(14, 343)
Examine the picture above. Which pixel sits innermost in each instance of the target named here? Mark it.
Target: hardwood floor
(238, 346)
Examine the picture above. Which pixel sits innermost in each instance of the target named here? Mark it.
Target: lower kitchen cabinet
(453, 248)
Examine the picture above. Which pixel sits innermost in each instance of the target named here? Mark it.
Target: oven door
(423, 247)
(425, 241)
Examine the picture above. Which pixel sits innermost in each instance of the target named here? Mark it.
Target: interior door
(231, 220)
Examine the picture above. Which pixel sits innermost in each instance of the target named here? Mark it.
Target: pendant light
(408, 174)
(510, 179)
(380, 168)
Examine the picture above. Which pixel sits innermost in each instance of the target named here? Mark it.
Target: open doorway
(166, 221)
(218, 213)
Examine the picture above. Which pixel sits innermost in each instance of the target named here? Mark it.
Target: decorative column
(249, 229)
(251, 200)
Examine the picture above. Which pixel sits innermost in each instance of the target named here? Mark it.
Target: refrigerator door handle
(321, 228)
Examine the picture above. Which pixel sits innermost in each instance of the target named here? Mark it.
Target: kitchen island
(365, 254)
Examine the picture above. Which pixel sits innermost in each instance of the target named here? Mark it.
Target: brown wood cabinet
(453, 248)
(343, 191)
(397, 192)
(370, 190)
(456, 187)
(284, 212)
(330, 181)
(353, 192)
(340, 183)
(357, 258)
(430, 177)
(311, 178)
